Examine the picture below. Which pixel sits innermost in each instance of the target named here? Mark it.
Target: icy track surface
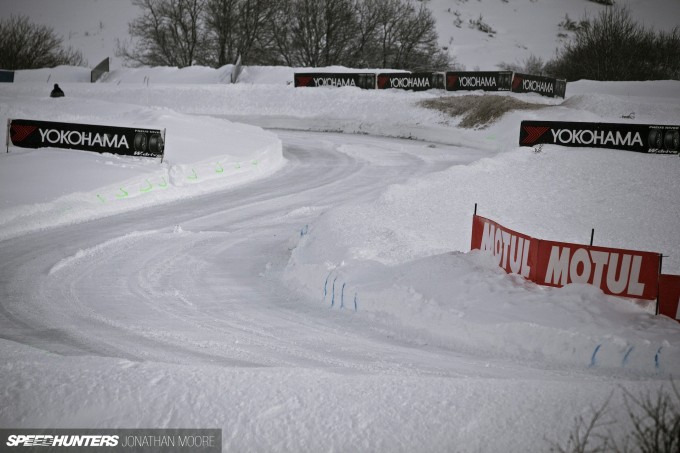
(176, 316)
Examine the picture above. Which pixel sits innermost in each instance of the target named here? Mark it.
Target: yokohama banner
(669, 296)
(331, 79)
(476, 80)
(416, 81)
(643, 138)
(618, 272)
(547, 86)
(102, 139)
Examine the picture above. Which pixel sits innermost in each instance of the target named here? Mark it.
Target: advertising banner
(617, 272)
(99, 70)
(642, 138)
(546, 86)
(479, 80)
(515, 252)
(102, 139)
(334, 79)
(6, 76)
(416, 81)
(669, 296)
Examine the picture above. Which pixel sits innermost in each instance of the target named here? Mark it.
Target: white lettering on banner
(507, 247)
(76, 138)
(588, 137)
(535, 85)
(409, 82)
(333, 81)
(563, 268)
(477, 81)
(47, 440)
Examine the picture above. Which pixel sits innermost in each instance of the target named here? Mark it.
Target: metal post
(658, 286)
(475, 208)
(9, 122)
(592, 235)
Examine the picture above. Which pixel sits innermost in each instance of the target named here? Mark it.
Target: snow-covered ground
(319, 293)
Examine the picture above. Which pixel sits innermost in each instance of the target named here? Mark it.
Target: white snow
(299, 274)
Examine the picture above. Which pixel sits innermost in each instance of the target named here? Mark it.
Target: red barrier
(515, 252)
(618, 272)
(669, 296)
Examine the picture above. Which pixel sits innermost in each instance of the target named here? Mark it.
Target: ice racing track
(176, 316)
(196, 281)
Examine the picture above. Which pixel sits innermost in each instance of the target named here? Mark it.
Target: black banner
(99, 70)
(546, 86)
(111, 440)
(6, 76)
(335, 79)
(642, 138)
(125, 141)
(479, 80)
(416, 81)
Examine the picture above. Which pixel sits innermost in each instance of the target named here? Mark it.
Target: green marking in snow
(123, 193)
(147, 188)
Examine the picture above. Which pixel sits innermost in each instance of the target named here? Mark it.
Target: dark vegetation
(25, 45)
(354, 33)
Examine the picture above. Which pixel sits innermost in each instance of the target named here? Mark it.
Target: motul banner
(479, 80)
(330, 79)
(546, 86)
(669, 296)
(618, 272)
(642, 138)
(102, 139)
(515, 252)
(417, 81)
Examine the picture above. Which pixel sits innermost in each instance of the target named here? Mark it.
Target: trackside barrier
(125, 141)
(669, 296)
(545, 86)
(479, 80)
(618, 272)
(642, 138)
(335, 79)
(416, 81)
(6, 76)
(99, 70)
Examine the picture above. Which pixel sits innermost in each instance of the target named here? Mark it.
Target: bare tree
(25, 45)
(221, 23)
(169, 33)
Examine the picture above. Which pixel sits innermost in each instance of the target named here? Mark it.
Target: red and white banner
(669, 296)
(618, 272)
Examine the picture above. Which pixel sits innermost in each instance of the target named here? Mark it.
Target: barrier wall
(643, 138)
(669, 296)
(416, 81)
(6, 76)
(86, 137)
(617, 272)
(546, 86)
(99, 70)
(479, 80)
(339, 79)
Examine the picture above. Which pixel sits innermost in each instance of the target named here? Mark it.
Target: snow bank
(49, 187)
